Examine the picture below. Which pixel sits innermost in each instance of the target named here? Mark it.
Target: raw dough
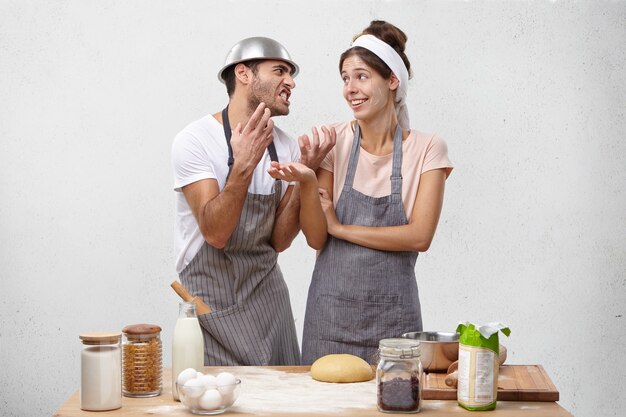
(341, 368)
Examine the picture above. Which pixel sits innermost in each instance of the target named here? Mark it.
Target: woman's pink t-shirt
(421, 152)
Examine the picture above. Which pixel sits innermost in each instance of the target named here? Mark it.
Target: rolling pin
(452, 377)
(201, 306)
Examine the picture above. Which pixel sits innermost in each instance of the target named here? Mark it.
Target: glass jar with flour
(100, 371)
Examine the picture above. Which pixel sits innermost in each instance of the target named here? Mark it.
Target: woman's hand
(292, 172)
(313, 151)
(332, 221)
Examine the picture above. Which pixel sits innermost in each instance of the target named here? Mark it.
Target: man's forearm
(287, 224)
(220, 215)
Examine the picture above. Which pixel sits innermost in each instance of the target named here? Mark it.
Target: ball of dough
(341, 368)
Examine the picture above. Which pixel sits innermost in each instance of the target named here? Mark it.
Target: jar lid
(100, 338)
(141, 331)
(399, 348)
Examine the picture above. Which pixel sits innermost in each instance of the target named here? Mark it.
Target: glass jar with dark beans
(398, 376)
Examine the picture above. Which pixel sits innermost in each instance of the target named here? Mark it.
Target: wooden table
(289, 390)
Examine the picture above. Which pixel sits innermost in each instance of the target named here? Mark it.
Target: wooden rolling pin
(452, 377)
(201, 306)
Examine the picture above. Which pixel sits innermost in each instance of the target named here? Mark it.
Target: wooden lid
(141, 332)
(141, 329)
(100, 338)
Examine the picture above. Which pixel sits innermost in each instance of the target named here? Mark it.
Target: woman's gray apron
(252, 322)
(360, 295)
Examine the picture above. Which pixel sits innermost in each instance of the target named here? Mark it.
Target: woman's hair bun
(391, 35)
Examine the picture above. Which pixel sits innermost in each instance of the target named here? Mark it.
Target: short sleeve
(295, 151)
(190, 161)
(329, 161)
(437, 156)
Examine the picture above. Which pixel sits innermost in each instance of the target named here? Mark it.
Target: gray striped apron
(360, 295)
(252, 322)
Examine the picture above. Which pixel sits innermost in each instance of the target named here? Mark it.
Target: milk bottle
(187, 344)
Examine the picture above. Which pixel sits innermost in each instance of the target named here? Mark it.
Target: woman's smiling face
(365, 90)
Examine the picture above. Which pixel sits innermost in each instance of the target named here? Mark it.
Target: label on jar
(477, 376)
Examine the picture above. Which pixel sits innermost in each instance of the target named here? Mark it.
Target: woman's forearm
(312, 219)
(389, 238)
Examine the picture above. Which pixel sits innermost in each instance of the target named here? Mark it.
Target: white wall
(530, 96)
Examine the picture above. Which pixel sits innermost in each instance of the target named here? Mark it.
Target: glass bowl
(208, 401)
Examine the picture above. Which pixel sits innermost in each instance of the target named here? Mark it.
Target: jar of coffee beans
(398, 376)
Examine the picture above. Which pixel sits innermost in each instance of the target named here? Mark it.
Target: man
(232, 217)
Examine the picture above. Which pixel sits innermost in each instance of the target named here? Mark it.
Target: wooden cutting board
(515, 383)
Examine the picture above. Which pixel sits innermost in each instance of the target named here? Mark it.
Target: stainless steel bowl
(256, 48)
(438, 349)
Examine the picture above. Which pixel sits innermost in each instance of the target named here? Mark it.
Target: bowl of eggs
(207, 394)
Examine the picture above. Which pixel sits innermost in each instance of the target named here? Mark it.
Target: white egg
(210, 400)
(225, 378)
(226, 382)
(186, 375)
(209, 381)
(194, 388)
(191, 403)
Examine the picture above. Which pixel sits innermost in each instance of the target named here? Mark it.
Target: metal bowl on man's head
(438, 349)
(254, 48)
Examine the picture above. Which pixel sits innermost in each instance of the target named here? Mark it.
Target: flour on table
(165, 409)
(267, 391)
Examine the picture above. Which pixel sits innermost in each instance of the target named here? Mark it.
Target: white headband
(390, 57)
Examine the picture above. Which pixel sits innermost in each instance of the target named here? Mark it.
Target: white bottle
(187, 344)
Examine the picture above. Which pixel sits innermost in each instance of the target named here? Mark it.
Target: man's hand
(249, 143)
(313, 150)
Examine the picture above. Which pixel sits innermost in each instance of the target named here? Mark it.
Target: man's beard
(263, 92)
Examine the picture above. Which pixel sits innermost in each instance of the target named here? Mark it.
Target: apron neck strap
(396, 164)
(396, 167)
(228, 133)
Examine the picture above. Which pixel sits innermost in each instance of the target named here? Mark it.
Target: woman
(382, 192)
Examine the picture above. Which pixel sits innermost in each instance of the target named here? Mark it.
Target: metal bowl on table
(438, 349)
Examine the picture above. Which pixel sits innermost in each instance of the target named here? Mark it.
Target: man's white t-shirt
(200, 152)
